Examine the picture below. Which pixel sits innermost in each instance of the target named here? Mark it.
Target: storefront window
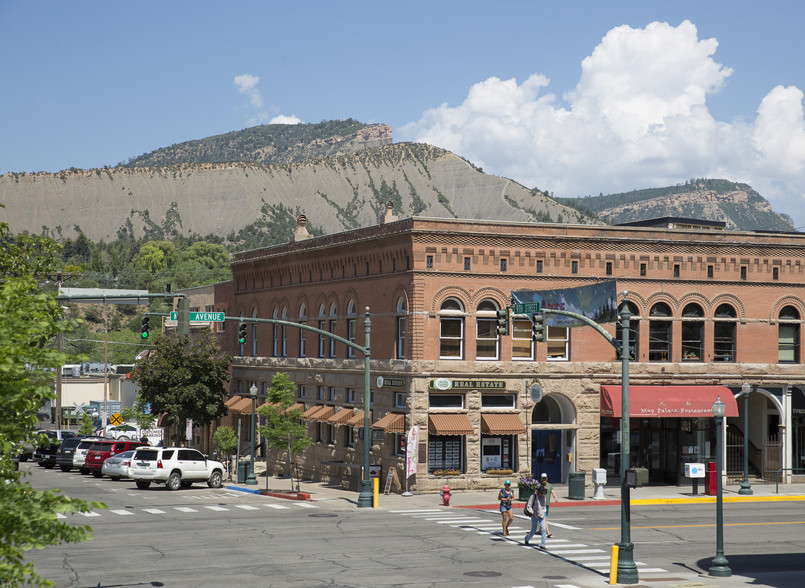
(445, 453)
(496, 452)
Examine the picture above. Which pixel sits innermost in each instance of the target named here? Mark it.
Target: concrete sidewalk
(485, 499)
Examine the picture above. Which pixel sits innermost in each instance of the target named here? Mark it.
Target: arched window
(724, 325)
(546, 411)
(486, 338)
(659, 333)
(285, 333)
(333, 316)
(302, 340)
(634, 329)
(322, 327)
(351, 324)
(788, 335)
(275, 334)
(451, 329)
(692, 333)
(400, 335)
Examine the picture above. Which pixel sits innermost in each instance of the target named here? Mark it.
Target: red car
(100, 450)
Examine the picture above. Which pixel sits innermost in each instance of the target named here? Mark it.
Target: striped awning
(391, 423)
(341, 417)
(232, 401)
(449, 424)
(297, 406)
(501, 424)
(357, 419)
(311, 411)
(245, 405)
(324, 414)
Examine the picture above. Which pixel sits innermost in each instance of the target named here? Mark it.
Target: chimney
(390, 216)
(300, 234)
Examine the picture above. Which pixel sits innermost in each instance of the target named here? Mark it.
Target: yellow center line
(703, 525)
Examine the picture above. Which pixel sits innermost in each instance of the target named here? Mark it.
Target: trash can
(243, 471)
(575, 485)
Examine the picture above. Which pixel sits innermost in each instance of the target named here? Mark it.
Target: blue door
(546, 454)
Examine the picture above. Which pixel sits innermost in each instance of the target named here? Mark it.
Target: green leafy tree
(29, 320)
(86, 428)
(225, 440)
(139, 413)
(183, 377)
(284, 428)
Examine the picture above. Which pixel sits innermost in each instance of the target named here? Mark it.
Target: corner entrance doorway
(546, 453)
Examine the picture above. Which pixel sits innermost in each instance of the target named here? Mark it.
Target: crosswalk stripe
(122, 512)
(305, 505)
(216, 508)
(246, 506)
(91, 513)
(154, 510)
(184, 509)
(277, 506)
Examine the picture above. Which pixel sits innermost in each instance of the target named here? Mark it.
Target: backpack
(529, 506)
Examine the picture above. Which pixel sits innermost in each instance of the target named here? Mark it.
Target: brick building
(711, 311)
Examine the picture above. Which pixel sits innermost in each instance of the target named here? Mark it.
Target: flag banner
(411, 453)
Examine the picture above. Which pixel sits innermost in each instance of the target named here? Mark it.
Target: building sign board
(597, 302)
(448, 384)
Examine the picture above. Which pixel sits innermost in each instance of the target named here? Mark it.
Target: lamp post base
(365, 498)
(720, 567)
(746, 489)
(251, 480)
(627, 569)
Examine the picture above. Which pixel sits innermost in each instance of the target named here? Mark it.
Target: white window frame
(302, 340)
(321, 392)
(352, 321)
(525, 329)
(350, 395)
(487, 317)
(275, 343)
(400, 328)
(301, 391)
(333, 316)
(452, 315)
(554, 339)
(284, 333)
(322, 327)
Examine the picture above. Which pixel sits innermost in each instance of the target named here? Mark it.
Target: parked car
(99, 451)
(117, 466)
(80, 453)
(176, 467)
(64, 455)
(45, 455)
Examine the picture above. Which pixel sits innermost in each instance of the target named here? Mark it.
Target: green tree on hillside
(29, 320)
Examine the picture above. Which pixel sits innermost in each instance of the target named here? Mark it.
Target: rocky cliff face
(336, 193)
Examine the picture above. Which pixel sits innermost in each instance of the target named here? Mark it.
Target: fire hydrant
(445, 495)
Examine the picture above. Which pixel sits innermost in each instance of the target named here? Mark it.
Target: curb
(273, 493)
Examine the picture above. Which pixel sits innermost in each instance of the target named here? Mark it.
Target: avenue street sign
(526, 307)
(201, 317)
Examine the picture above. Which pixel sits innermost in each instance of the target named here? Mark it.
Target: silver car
(117, 466)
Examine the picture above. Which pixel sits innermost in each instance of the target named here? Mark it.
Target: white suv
(176, 467)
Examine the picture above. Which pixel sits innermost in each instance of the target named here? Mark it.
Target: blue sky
(572, 97)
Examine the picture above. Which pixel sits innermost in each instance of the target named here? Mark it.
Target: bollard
(613, 565)
(376, 498)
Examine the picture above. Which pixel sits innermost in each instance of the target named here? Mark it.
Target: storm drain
(483, 574)
(323, 515)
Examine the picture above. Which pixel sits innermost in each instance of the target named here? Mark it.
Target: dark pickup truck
(45, 455)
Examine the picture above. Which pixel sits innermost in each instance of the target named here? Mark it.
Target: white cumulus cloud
(637, 118)
(246, 84)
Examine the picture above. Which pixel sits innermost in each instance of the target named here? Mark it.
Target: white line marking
(417, 510)
(154, 510)
(572, 551)
(305, 505)
(122, 512)
(184, 509)
(91, 513)
(277, 506)
(246, 507)
(217, 508)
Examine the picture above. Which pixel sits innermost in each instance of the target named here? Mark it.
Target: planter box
(524, 493)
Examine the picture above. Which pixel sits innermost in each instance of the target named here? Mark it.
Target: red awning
(668, 401)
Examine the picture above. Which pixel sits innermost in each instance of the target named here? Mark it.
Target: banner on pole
(598, 302)
(411, 453)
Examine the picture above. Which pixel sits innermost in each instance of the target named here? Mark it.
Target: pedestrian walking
(537, 506)
(505, 497)
(549, 492)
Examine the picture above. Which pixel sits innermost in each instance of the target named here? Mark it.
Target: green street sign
(201, 317)
(526, 308)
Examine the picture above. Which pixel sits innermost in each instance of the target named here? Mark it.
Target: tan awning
(501, 424)
(357, 419)
(341, 417)
(232, 401)
(391, 423)
(449, 424)
(311, 411)
(245, 405)
(297, 406)
(324, 414)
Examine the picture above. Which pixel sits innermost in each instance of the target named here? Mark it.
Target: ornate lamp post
(250, 479)
(746, 489)
(720, 565)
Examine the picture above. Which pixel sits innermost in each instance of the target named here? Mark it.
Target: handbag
(529, 508)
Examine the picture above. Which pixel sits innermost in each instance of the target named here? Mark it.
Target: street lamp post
(250, 479)
(746, 489)
(720, 565)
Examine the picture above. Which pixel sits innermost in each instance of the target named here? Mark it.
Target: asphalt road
(205, 537)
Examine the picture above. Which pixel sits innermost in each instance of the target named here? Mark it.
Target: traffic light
(502, 327)
(144, 326)
(538, 327)
(242, 333)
